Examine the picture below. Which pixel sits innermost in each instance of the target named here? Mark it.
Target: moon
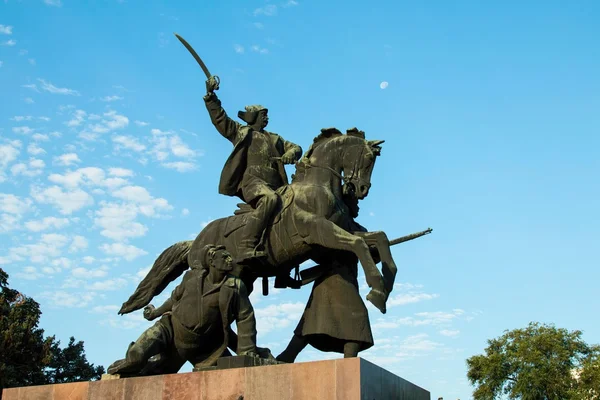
(383, 85)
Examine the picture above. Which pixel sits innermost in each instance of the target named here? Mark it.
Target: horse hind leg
(325, 233)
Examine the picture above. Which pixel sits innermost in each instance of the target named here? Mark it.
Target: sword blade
(194, 54)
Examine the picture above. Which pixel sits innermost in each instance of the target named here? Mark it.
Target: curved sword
(197, 58)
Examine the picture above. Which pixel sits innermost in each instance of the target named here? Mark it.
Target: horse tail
(168, 266)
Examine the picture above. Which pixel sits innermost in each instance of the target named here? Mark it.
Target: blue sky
(491, 118)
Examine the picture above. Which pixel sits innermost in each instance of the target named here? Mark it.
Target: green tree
(540, 362)
(70, 364)
(26, 357)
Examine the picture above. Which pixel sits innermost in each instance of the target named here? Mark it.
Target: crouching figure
(195, 322)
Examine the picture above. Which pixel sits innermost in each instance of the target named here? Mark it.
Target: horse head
(350, 157)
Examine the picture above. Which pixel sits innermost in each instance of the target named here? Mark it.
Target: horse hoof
(377, 298)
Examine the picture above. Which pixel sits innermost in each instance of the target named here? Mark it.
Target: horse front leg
(327, 234)
(381, 242)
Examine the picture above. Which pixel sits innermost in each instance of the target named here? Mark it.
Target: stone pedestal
(341, 379)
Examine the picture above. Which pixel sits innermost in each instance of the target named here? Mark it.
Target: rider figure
(254, 170)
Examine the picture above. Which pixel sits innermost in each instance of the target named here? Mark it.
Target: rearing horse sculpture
(310, 220)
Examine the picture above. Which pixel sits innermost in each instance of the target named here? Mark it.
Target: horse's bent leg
(388, 266)
(325, 233)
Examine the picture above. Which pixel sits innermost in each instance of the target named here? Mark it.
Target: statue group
(279, 225)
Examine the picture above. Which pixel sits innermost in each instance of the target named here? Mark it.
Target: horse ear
(376, 143)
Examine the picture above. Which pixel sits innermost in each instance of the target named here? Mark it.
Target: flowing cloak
(335, 312)
(233, 173)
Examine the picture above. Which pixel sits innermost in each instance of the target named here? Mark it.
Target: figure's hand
(287, 158)
(149, 312)
(212, 84)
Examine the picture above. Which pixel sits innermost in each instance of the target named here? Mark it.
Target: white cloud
(384, 85)
(278, 316)
(111, 98)
(128, 142)
(33, 168)
(9, 42)
(180, 166)
(48, 247)
(29, 273)
(46, 223)
(49, 87)
(111, 121)
(35, 149)
(409, 298)
(291, 3)
(118, 221)
(141, 123)
(108, 285)
(20, 118)
(29, 100)
(67, 159)
(66, 201)
(238, 48)
(258, 25)
(138, 195)
(78, 118)
(64, 299)
(22, 130)
(88, 259)
(269, 10)
(261, 50)
(121, 172)
(8, 153)
(108, 309)
(79, 243)
(11, 204)
(185, 212)
(88, 176)
(449, 332)
(5, 29)
(31, 61)
(54, 3)
(128, 252)
(40, 137)
(83, 273)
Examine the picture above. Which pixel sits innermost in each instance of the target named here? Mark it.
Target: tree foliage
(26, 356)
(536, 363)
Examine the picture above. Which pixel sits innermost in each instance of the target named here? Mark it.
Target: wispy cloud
(29, 100)
(54, 3)
(5, 29)
(10, 42)
(258, 25)
(238, 48)
(31, 86)
(141, 123)
(291, 3)
(261, 50)
(111, 98)
(49, 87)
(269, 10)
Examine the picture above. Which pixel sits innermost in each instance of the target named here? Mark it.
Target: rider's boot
(351, 349)
(252, 232)
(296, 345)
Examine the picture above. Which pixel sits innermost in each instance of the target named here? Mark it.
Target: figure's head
(256, 116)
(217, 257)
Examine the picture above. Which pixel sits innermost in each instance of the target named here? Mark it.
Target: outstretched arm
(225, 125)
(151, 313)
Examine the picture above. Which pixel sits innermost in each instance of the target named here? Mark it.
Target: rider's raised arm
(227, 127)
(245, 321)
